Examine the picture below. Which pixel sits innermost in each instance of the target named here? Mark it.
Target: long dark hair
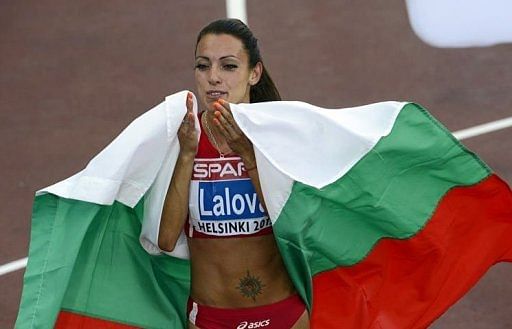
(265, 89)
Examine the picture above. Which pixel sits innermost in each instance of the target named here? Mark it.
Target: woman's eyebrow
(228, 56)
(223, 57)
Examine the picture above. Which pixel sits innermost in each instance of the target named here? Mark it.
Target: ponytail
(265, 90)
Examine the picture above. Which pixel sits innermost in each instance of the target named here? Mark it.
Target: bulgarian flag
(382, 217)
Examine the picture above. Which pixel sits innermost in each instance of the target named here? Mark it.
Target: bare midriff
(238, 272)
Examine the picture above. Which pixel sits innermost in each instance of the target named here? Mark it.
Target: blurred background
(73, 74)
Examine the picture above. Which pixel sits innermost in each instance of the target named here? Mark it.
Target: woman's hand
(235, 138)
(175, 210)
(187, 134)
(238, 142)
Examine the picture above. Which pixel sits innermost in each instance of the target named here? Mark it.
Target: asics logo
(253, 325)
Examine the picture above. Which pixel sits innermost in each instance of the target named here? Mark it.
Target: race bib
(223, 201)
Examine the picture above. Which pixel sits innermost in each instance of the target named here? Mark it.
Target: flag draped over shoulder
(400, 236)
(86, 265)
(382, 217)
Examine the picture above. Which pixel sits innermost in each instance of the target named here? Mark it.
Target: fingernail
(217, 113)
(216, 121)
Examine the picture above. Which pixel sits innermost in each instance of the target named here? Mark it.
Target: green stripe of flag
(96, 266)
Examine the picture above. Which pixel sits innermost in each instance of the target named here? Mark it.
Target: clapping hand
(235, 138)
(187, 134)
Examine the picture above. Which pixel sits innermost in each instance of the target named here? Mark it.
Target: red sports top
(223, 202)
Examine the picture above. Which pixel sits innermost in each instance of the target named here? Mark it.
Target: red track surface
(75, 73)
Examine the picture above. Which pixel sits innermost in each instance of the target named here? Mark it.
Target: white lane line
(461, 134)
(13, 266)
(237, 9)
(483, 129)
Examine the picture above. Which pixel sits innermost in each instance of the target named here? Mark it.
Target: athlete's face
(222, 70)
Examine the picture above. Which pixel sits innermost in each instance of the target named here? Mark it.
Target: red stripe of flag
(69, 320)
(409, 283)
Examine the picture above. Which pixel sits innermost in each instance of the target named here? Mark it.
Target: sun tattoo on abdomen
(250, 286)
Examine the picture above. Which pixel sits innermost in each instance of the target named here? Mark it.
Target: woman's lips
(215, 94)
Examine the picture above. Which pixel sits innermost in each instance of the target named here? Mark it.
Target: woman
(238, 279)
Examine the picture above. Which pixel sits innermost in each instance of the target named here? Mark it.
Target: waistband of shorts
(249, 311)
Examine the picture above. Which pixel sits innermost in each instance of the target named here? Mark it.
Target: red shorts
(281, 315)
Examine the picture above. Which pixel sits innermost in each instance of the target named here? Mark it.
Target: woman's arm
(238, 142)
(175, 210)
